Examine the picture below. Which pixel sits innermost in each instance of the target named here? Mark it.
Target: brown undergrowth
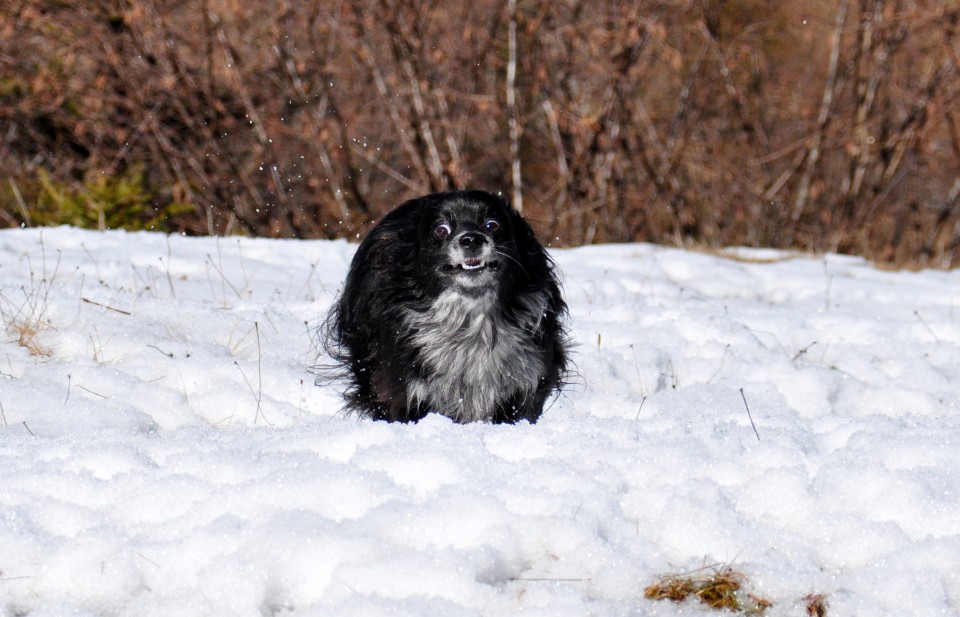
(826, 125)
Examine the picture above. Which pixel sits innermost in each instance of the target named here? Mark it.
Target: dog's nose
(471, 239)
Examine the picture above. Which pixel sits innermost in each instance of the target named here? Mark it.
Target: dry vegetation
(816, 605)
(23, 313)
(718, 588)
(819, 125)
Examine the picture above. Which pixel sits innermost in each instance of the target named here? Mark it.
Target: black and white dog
(450, 306)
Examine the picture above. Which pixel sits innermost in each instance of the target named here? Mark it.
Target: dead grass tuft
(26, 317)
(816, 605)
(718, 588)
(27, 336)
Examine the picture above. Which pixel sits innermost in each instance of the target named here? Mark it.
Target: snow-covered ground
(163, 450)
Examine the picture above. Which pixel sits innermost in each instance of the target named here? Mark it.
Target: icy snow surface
(165, 452)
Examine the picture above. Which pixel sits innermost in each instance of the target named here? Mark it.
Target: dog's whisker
(511, 258)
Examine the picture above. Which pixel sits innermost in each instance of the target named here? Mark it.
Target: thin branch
(744, 397)
(256, 326)
(823, 116)
(513, 119)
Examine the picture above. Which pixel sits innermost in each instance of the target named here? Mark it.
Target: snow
(166, 452)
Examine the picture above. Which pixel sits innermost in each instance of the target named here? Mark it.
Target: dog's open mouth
(473, 264)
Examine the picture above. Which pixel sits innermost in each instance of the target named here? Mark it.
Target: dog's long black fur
(451, 306)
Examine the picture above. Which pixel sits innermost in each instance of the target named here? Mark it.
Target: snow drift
(163, 450)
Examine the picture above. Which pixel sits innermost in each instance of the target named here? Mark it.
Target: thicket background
(817, 125)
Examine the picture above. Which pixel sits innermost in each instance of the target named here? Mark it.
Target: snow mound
(163, 450)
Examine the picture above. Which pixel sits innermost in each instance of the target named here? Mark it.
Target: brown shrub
(824, 125)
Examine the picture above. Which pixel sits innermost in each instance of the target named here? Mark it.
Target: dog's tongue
(472, 263)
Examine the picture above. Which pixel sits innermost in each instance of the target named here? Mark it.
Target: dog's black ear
(380, 253)
(536, 262)
(391, 243)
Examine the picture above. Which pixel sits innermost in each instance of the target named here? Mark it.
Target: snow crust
(167, 453)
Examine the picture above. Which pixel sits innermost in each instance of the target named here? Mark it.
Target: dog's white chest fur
(475, 356)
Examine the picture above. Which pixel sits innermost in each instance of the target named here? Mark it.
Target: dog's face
(468, 243)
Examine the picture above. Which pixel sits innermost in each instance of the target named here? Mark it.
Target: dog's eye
(441, 231)
(492, 225)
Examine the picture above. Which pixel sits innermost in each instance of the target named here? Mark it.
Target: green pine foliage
(102, 201)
